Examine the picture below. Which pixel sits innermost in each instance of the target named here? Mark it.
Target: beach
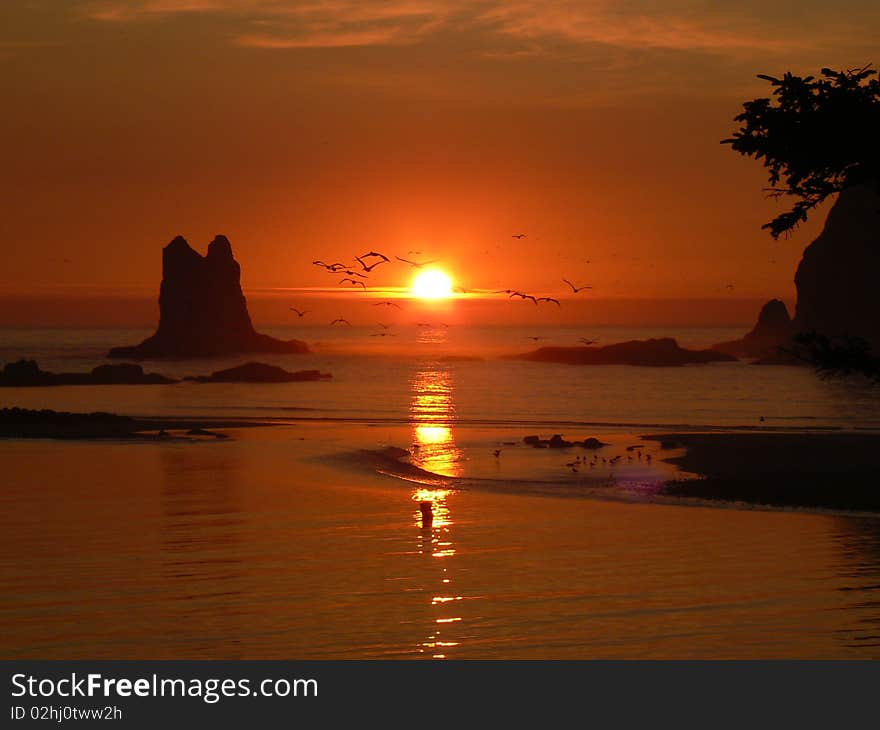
(279, 543)
(297, 532)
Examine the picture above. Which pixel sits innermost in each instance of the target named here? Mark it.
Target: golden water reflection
(432, 415)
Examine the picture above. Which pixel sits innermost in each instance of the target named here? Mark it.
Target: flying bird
(536, 338)
(587, 342)
(354, 282)
(386, 304)
(574, 288)
(496, 453)
(299, 313)
(331, 267)
(548, 299)
(518, 235)
(340, 320)
(354, 273)
(383, 326)
(416, 264)
(524, 297)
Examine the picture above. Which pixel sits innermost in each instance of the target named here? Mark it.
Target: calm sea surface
(286, 542)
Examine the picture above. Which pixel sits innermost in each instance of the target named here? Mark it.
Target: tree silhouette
(818, 136)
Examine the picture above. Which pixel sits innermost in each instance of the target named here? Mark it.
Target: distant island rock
(202, 310)
(661, 352)
(258, 372)
(27, 373)
(772, 332)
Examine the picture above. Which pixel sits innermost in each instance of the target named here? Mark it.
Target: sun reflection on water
(432, 414)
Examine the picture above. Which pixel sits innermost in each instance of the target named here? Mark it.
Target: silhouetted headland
(837, 281)
(202, 310)
(663, 352)
(837, 471)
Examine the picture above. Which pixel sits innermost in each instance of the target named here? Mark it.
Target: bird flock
(357, 275)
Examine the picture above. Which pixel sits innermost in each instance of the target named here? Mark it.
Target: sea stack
(772, 332)
(202, 310)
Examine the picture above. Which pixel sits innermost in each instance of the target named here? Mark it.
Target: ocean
(304, 540)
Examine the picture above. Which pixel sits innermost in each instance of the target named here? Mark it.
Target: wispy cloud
(524, 28)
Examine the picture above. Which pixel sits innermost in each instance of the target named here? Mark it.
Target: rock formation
(202, 310)
(258, 372)
(664, 351)
(773, 330)
(27, 373)
(838, 278)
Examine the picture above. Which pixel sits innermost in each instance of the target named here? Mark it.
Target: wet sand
(838, 471)
(267, 545)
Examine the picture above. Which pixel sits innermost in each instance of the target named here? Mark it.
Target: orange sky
(316, 129)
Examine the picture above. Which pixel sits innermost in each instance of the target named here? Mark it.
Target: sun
(432, 284)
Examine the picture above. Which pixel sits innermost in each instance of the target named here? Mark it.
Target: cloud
(508, 29)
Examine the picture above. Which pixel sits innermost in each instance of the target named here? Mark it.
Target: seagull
(518, 235)
(301, 314)
(416, 264)
(383, 326)
(497, 453)
(354, 273)
(383, 334)
(386, 304)
(354, 282)
(340, 320)
(587, 342)
(548, 299)
(574, 288)
(524, 297)
(365, 267)
(331, 267)
(536, 338)
(511, 292)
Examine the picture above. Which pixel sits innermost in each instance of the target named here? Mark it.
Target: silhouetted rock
(202, 310)
(655, 352)
(838, 277)
(557, 442)
(258, 372)
(27, 373)
(773, 331)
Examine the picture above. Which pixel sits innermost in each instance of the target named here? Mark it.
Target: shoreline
(836, 470)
